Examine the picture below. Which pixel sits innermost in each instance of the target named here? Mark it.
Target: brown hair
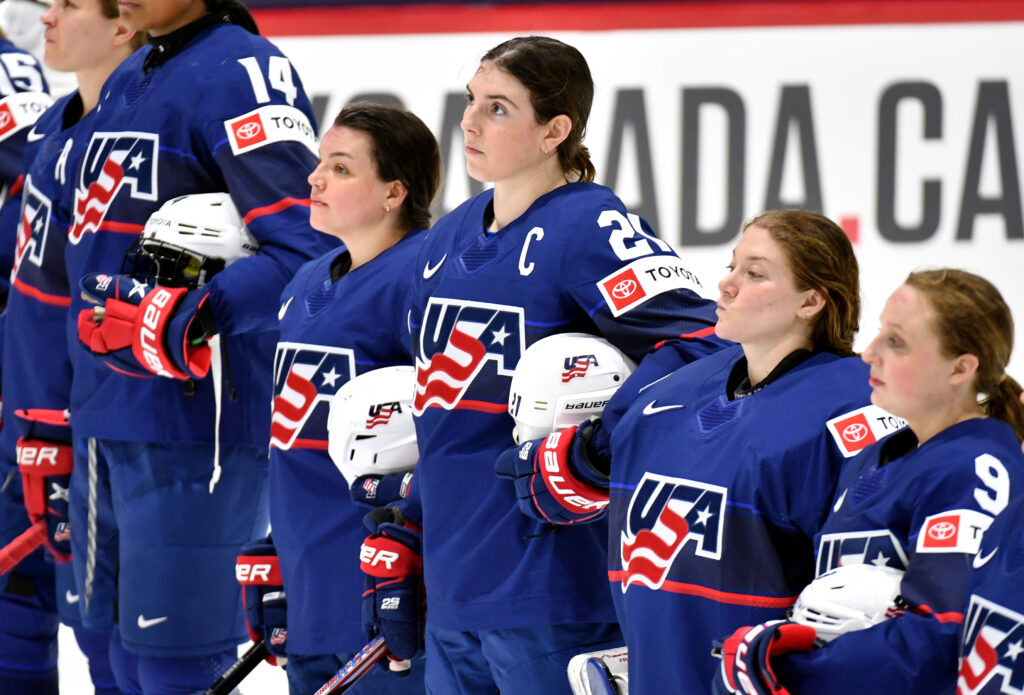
(820, 257)
(559, 82)
(403, 149)
(971, 317)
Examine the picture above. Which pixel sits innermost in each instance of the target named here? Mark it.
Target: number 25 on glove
(394, 601)
(140, 330)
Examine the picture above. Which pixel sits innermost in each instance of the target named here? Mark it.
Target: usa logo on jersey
(878, 547)
(457, 341)
(33, 228)
(306, 377)
(113, 160)
(992, 646)
(664, 516)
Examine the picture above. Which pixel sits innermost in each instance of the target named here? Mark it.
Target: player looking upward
(344, 313)
(546, 251)
(209, 106)
(921, 500)
(88, 39)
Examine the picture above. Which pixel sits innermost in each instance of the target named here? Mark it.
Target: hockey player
(343, 314)
(994, 618)
(720, 472)
(24, 96)
(919, 501)
(545, 252)
(87, 40)
(209, 106)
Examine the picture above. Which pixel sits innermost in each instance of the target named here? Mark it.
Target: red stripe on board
(431, 19)
(617, 576)
(16, 186)
(275, 208)
(44, 297)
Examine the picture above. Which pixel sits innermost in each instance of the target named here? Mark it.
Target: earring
(544, 149)
(807, 314)
(387, 209)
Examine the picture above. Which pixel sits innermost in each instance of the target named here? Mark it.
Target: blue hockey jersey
(574, 261)
(714, 504)
(329, 333)
(37, 366)
(993, 629)
(225, 113)
(23, 99)
(924, 512)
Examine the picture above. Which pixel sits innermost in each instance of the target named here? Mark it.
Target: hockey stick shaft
(357, 667)
(237, 672)
(22, 546)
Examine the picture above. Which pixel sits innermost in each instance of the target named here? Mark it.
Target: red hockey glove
(394, 602)
(141, 330)
(45, 465)
(747, 657)
(263, 597)
(552, 483)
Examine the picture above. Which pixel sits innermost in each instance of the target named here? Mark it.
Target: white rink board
(845, 70)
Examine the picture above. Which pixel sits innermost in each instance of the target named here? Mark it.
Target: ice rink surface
(74, 673)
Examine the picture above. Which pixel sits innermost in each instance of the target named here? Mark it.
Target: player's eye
(498, 109)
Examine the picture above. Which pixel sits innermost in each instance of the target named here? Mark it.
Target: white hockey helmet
(370, 426)
(189, 240)
(561, 381)
(848, 598)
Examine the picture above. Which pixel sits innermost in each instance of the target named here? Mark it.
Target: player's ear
(123, 34)
(395, 195)
(555, 131)
(814, 301)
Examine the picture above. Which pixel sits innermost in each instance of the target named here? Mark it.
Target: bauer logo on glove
(154, 318)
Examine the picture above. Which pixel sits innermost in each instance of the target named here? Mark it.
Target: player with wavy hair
(715, 477)
(547, 251)
(920, 501)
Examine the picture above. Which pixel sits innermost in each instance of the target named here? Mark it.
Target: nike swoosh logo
(149, 622)
(839, 502)
(428, 272)
(651, 409)
(980, 561)
(284, 308)
(70, 597)
(33, 136)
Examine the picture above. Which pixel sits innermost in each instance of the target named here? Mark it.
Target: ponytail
(1004, 404)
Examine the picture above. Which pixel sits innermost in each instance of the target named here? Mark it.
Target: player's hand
(548, 486)
(266, 606)
(45, 460)
(394, 603)
(145, 330)
(747, 657)
(380, 490)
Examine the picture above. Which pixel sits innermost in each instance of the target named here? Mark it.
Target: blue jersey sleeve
(263, 141)
(634, 287)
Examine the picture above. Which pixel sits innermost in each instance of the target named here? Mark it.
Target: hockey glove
(143, 330)
(380, 490)
(45, 460)
(263, 596)
(747, 657)
(394, 602)
(554, 480)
